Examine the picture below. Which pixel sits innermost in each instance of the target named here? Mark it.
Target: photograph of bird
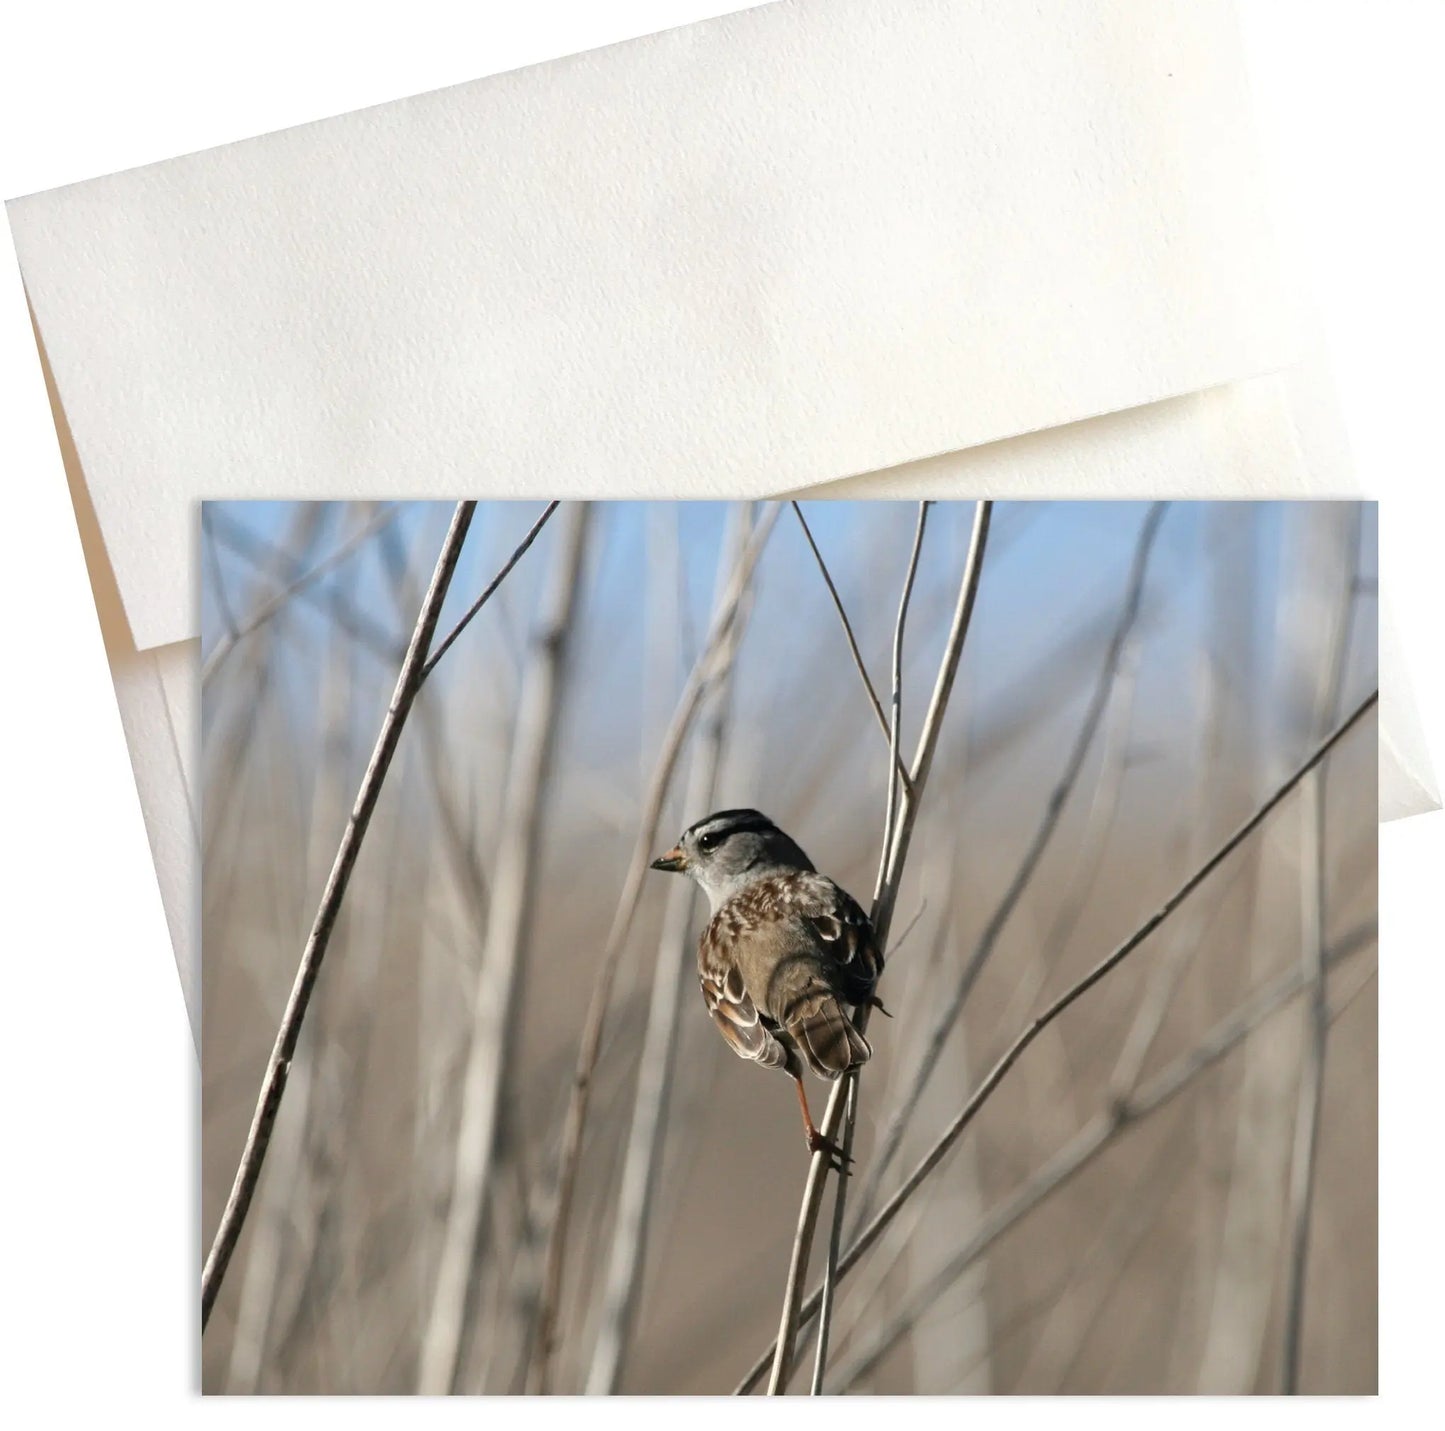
(785, 950)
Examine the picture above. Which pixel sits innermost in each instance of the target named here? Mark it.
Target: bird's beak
(673, 861)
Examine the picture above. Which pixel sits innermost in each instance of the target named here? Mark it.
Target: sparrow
(784, 951)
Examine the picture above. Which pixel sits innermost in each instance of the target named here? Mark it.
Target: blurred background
(1139, 1209)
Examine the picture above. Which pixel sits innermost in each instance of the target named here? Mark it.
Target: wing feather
(735, 1014)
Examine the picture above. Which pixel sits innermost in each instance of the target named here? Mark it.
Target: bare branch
(891, 1139)
(273, 1085)
(997, 1073)
(444, 645)
(890, 815)
(848, 634)
(882, 916)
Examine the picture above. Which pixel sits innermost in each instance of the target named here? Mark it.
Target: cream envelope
(758, 254)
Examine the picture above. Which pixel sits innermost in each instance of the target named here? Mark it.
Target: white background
(99, 1248)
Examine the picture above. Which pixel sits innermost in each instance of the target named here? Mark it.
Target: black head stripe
(731, 822)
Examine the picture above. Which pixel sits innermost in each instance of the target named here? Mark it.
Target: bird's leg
(817, 1143)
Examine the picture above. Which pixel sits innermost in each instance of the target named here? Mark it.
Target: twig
(539, 1372)
(273, 1085)
(891, 1139)
(269, 608)
(851, 639)
(995, 1076)
(890, 815)
(445, 644)
(882, 916)
(649, 1111)
(484, 1080)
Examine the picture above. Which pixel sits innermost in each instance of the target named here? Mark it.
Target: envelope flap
(771, 250)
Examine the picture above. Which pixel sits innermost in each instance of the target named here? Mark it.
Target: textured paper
(794, 244)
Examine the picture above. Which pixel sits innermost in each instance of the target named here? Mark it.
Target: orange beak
(674, 861)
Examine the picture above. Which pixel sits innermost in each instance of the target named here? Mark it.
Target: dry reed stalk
(649, 1114)
(444, 1338)
(539, 1370)
(999, 1071)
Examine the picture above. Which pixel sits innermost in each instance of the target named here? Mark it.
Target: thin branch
(890, 815)
(444, 645)
(891, 1139)
(997, 1073)
(882, 916)
(641, 1165)
(848, 635)
(493, 1024)
(539, 1373)
(268, 609)
(273, 1085)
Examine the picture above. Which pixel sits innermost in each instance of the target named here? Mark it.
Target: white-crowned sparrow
(784, 951)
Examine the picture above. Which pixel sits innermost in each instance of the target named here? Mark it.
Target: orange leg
(817, 1143)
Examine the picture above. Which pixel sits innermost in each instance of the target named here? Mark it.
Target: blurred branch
(851, 639)
(269, 608)
(493, 1026)
(1070, 1160)
(702, 676)
(890, 815)
(1314, 918)
(273, 1085)
(892, 1137)
(1091, 1140)
(882, 914)
(1076, 991)
(267, 557)
(649, 1113)
(288, 1190)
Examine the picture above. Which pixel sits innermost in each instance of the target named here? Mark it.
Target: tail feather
(827, 1039)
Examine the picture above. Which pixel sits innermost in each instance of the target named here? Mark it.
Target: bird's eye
(710, 841)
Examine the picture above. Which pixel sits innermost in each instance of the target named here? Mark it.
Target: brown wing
(844, 932)
(735, 1014)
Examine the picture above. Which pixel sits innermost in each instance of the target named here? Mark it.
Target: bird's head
(730, 849)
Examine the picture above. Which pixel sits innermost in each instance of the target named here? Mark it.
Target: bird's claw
(838, 1161)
